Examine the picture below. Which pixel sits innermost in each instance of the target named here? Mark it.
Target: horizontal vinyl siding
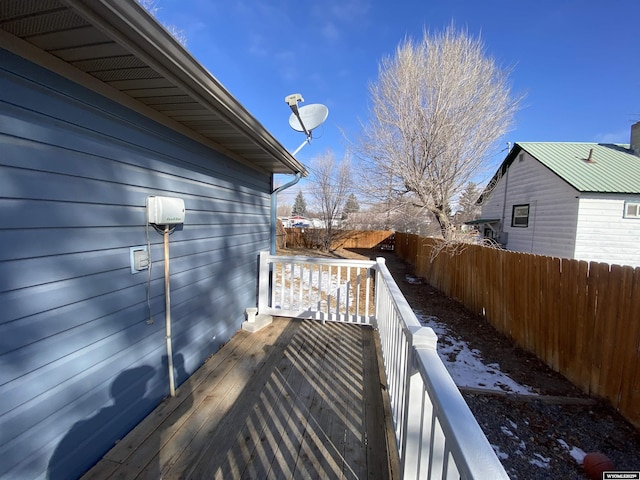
(552, 209)
(604, 235)
(492, 206)
(80, 365)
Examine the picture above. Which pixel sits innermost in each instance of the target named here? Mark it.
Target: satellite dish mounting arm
(292, 100)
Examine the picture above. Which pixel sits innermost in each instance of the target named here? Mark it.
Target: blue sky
(578, 61)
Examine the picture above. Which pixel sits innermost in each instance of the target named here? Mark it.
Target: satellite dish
(311, 116)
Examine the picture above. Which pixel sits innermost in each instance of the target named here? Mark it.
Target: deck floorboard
(298, 399)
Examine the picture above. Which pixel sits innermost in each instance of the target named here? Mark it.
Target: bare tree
(438, 108)
(330, 188)
(152, 7)
(283, 210)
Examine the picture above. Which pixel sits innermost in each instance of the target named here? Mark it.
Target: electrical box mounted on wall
(165, 210)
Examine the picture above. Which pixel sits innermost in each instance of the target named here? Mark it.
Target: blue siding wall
(79, 363)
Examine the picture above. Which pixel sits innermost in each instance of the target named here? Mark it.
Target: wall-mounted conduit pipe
(274, 207)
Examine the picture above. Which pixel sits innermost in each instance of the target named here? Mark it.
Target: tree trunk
(446, 229)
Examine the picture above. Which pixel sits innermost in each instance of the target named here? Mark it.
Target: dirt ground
(539, 438)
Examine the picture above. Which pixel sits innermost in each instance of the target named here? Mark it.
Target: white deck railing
(436, 434)
(319, 288)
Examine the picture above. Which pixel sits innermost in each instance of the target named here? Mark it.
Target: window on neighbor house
(520, 216)
(632, 210)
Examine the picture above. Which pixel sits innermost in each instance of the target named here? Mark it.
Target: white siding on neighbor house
(492, 206)
(79, 364)
(553, 209)
(604, 235)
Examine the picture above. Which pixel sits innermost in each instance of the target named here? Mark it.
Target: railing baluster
(290, 295)
(283, 276)
(339, 269)
(366, 294)
(309, 285)
(432, 445)
(421, 433)
(299, 285)
(329, 292)
(445, 459)
(357, 312)
(347, 295)
(320, 270)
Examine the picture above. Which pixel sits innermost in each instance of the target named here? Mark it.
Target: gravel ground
(537, 438)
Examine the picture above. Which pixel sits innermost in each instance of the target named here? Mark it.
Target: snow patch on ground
(540, 461)
(576, 453)
(468, 369)
(500, 454)
(413, 280)
(465, 365)
(520, 448)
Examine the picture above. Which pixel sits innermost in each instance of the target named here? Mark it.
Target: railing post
(264, 280)
(417, 338)
(376, 291)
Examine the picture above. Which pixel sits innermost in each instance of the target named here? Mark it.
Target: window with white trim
(520, 216)
(631, 209)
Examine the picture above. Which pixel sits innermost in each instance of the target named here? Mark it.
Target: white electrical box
(139, 258)
(165, 210)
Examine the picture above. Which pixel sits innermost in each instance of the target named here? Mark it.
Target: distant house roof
(587, 167)
(118, 49)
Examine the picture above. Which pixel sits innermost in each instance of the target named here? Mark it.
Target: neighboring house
(285, 222)
(569, 200)
(298, 221)
(301, 222)
(99, 108)
(317, 223)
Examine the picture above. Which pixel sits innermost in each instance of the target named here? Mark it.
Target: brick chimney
(635, 138)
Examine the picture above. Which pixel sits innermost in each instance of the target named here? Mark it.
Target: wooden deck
(298, 399)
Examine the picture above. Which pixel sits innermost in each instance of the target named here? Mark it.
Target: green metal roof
(612, 168)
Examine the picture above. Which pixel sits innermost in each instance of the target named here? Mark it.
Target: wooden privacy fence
(312, 238)
(582, 319)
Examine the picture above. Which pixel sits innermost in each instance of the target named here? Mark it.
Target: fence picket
(619, 347)
(582, 326)
(601, 271)
(534, 303)
(565, 337)
(629, 395)
(613, 304)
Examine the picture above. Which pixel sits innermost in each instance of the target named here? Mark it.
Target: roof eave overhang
(141, 35)
(482, 221)
(235, 133)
